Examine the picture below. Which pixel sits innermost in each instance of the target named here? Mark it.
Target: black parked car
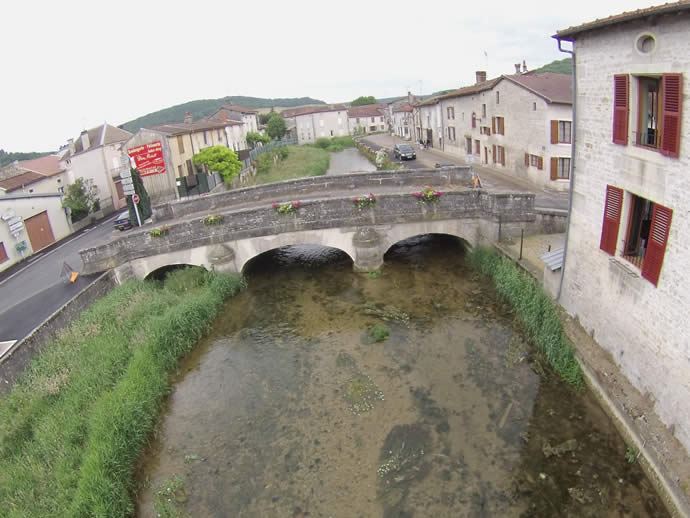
(122, 221)
(404, 151)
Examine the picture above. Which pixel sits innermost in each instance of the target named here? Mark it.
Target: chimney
(481, 76)
(517, 68)
(84, 140)
(70, 145)
(524, 66)
(187, 118)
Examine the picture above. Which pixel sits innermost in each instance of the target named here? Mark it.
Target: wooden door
(39, 230)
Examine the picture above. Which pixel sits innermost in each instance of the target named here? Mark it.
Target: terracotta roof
(306, 110)
(17, 182)
(552, 87)
(181, 128)
(46, 165)
(407, 107)
(570, 33)
(366, 110)
(100, 136)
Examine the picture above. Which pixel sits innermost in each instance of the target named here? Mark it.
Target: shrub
(379, 332)
(322, 142)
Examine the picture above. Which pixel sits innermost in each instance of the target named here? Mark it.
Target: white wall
(644, 327)
(312, 126)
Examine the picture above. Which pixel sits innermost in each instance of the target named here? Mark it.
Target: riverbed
(349, 160)
(290, 408)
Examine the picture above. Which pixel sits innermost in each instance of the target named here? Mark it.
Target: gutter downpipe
(572, 166)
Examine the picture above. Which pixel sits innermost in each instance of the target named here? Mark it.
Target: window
(646, 236)
(373, 119)
(380, 119)
(534, 107)
(534, 161)
(468, 145)
(190, 167)
(205, 137)
(477, 147)
(451, 133)
(498, 98)
(498, 126)
(331, 133)
(3, 253)
(560, 132)
(560, 168)
(483, 111)
(180, 143)
(220, 135)
(450, 112)
(659, 105)
(499, 155)
(372, 128)
(485, 130)
(179, 171)
(474, 120)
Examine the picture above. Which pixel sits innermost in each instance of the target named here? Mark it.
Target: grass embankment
(535, 311)
(369, 154)
(291, 162)
(71, 430)
(334, 144)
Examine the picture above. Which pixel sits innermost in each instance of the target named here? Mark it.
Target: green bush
(379, 332)
(535, 311)
(322, 142)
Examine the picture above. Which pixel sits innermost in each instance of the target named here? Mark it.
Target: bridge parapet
(493, 209)
(358, 183)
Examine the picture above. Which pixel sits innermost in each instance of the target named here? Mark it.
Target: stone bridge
(327, 216)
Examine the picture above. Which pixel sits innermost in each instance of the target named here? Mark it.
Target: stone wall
(15, 362)
(358, 183)
(513, 210)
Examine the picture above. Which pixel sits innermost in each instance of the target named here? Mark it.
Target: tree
(253, 138)
(220, 160)
(276, 126)
(264, 117)
(144, 205)
(81, 199)
(362, 100)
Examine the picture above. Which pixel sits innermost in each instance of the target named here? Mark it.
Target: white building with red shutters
(626, 274)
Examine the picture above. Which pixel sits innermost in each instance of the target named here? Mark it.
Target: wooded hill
(205, 107)
(8, 158)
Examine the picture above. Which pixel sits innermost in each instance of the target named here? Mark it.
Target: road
(491, 180)
(35, 291)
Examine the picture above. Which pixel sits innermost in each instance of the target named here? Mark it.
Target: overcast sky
(72, 64)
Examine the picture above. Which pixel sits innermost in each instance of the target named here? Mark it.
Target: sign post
(135, 201)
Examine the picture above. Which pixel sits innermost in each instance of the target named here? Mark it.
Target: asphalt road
(36, 290)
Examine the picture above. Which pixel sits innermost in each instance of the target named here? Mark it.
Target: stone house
(40, 175)
(95, 156)
(312, 122)
(250, 118)
(29, 223)
(427, 121)
(517, 124)
(368, 118)
(402, 120)
(174, 174)
(625, 274)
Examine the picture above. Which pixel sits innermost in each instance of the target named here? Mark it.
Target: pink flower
(276, 204)
(356, 200)
(296, 204)
(436, 193)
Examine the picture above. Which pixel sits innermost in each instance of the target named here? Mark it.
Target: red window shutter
(612, 218)
(3, 253)
(671, 114)
(621, 107)
(554, 132)
(503, 156)
(554, 168)
(656, 245)
(493, 124)
(540, 163)
(527, 159)
(493, 152)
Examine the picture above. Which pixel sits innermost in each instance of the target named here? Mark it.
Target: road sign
(126, 181)
(124, 160)
(135, 198)
(127, 190)
(125, 172)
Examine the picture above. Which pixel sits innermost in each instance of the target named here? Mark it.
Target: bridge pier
(368, 247)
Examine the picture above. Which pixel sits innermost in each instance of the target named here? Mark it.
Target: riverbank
(72, 429)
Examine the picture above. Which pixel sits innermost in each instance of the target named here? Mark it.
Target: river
(290, 409)
(348, 161)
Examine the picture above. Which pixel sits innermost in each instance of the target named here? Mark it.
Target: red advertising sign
(148, 159)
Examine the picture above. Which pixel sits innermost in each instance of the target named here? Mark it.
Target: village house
(250, 118)
(163, 155)
(427, 120)
(402, 120)
(95, 156)
(368, 118)
(29, 223)
(40, 175)
(312, 122)
(625, 274)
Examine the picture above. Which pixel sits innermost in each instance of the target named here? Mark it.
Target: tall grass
(335, 144)
(72, 428)
(535, 311)
(300, 161)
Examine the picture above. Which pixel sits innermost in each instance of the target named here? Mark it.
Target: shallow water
(348, 161)
(290, 409)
